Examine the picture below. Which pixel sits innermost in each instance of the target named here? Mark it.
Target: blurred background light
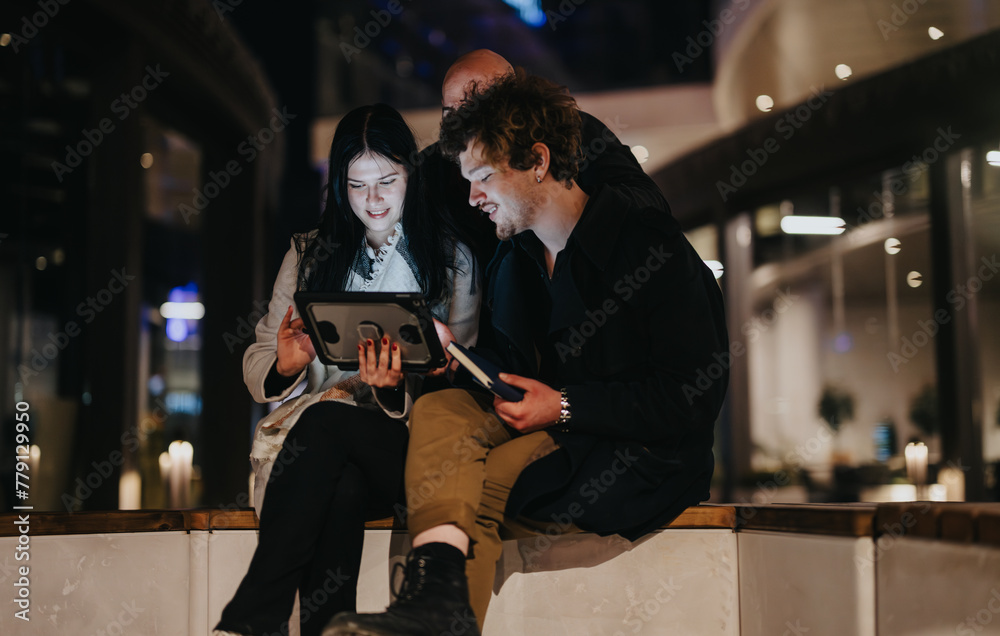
(530, 11)
(812, 225)
(765, 103)
(177, 329)
(184, 310)
(716, 267)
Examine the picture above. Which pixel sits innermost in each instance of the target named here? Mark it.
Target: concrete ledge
(731, 570)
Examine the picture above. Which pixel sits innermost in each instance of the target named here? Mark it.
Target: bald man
(481, 66)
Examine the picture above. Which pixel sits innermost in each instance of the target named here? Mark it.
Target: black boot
(433, 600)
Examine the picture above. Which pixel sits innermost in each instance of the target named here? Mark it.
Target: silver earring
(538, 179)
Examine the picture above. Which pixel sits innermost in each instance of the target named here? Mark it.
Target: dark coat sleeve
(607, 161)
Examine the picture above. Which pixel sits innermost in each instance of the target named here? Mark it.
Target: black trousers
(346, 468)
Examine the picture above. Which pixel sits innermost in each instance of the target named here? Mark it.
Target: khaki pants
(461, 464)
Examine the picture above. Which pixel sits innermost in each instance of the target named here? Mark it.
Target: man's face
(510, 197)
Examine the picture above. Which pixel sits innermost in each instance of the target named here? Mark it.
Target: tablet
(338, 321)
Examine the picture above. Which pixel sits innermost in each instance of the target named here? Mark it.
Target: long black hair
(326, 261)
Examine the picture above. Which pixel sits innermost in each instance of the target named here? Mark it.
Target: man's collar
(597, 230)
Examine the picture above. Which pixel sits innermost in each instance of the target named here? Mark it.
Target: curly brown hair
(511, 115)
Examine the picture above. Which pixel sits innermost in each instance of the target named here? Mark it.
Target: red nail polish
(385, 342)
(395, 347)
(370, 343)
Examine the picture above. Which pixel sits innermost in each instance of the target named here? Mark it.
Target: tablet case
(338, 321)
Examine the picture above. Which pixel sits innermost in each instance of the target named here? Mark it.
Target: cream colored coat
(462, 316)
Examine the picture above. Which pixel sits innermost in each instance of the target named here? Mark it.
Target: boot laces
(413, 579)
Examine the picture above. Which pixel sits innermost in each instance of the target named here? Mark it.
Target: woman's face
(376, 188)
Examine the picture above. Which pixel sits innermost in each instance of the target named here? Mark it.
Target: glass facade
(983, 284)
(842, 337)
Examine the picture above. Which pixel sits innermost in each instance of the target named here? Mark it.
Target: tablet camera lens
(328, 332)
(410, 334)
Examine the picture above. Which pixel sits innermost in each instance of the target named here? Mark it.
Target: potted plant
(924, 411)
(836, 407)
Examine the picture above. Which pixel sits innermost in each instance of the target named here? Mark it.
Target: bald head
(481, 66)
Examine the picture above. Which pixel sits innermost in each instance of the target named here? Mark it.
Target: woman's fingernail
(385, 341)
(370, 343)
(395, 347)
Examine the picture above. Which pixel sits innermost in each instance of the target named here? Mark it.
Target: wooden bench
(209, 519)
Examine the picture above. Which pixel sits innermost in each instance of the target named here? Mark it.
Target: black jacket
(642, 347)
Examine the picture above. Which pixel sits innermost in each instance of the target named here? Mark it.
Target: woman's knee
(317, 424)
(352, 489)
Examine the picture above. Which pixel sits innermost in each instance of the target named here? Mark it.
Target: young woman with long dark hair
(331, 459)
